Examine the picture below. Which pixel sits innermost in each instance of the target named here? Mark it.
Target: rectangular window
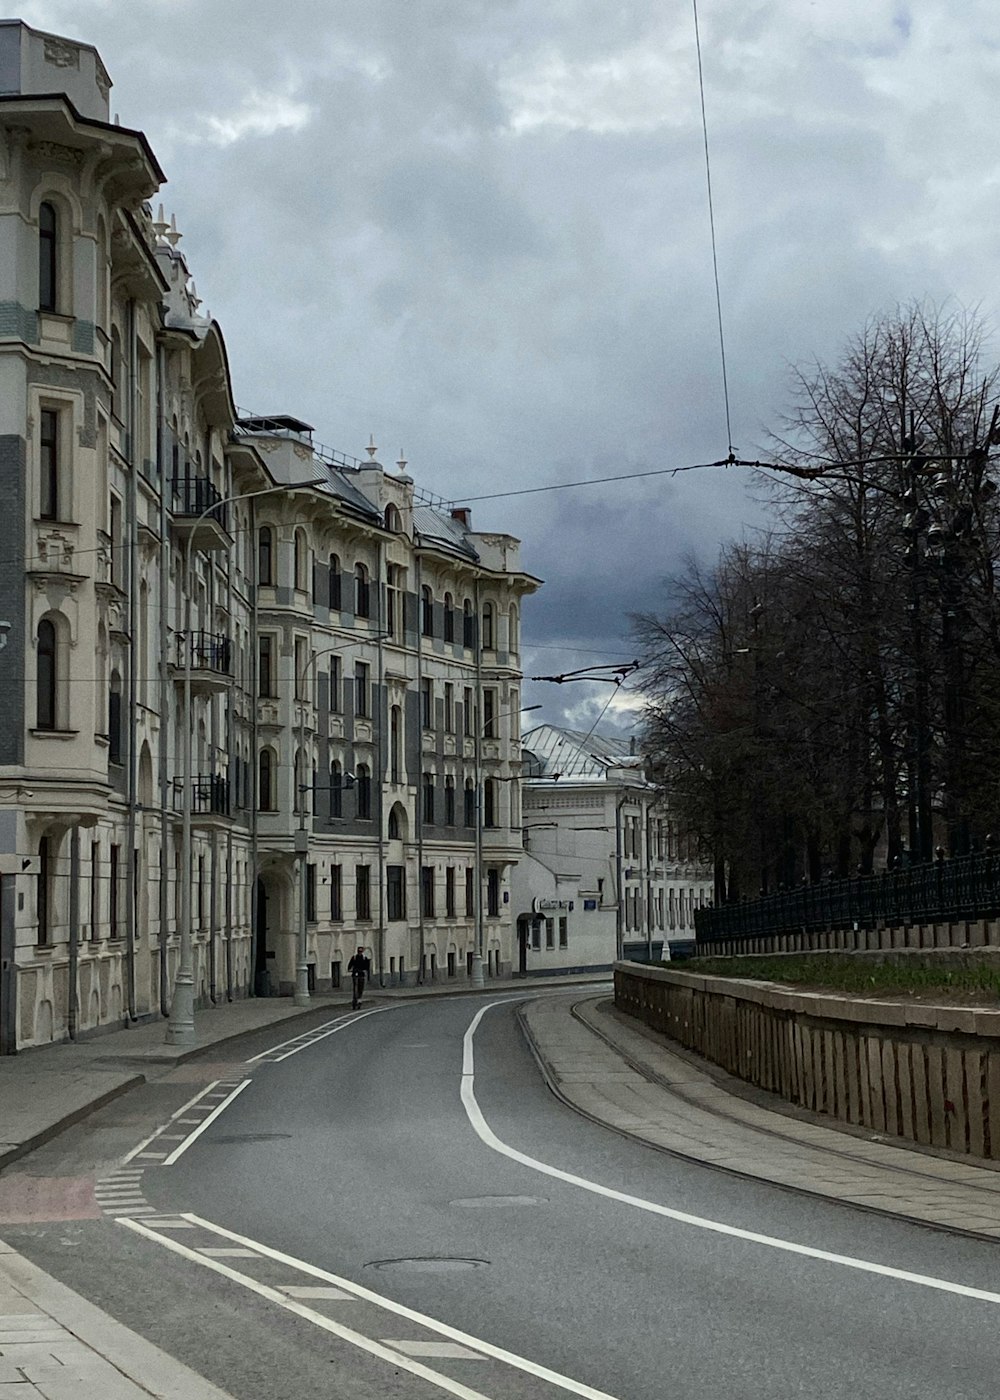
(470, 892)
(493, 892)
(49, 465)
(95, 888)
(363, 793)
(117, 562)
(336, 892)
(536, 933)
(310, 894)
(395, 890)
(429, 814)
(301, 665)
(44, 934)
(469, 814)
(563, 931)
(265, 666)
(449, 892)
(449, 801)
(113, 930)
(490, 802)
(333, 584)
(427, 703)
(363, 891)
(467, 711)
(335, 685)
(427, 890)
(489, 713)
(550, 932)
(361, 689)
(449, 708)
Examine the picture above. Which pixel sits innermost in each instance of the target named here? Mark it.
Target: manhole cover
(478, 1202)
(429, 1264)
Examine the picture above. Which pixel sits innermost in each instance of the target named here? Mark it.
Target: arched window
(300, 552)
(428, 805)
(363, 788)
(265, 781)
(469, 815)
(513, 636)
(333, 583)
(393, 521)
(48, 676)
(48, 257)
(395, 743)
(426, 611)
(488, 626)
(265, 556)
(362, 592)
(394, 824)
(468, 624)
(336, 790)
(449, 618)
(299, 797)
(115, 718)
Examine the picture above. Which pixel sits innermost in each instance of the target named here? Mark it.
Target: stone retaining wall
(927, 1073)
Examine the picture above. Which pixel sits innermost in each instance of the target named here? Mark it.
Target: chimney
(463, 515)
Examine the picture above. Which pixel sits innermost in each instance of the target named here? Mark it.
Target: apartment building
(257, 694)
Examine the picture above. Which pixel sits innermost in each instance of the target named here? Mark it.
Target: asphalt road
(341, 1228)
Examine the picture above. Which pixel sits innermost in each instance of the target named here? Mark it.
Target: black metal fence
(198, 495)
(209, 795)
(211, 651)
(963, 889)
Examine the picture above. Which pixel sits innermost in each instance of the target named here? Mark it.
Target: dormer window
(393, 519)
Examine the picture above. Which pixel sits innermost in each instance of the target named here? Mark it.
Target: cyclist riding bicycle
(360, 969)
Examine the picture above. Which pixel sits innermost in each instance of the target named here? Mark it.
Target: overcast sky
(478, 229)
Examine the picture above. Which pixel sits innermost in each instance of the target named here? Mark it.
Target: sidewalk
(45, 1091)
(54, 1345)
(613, 1070)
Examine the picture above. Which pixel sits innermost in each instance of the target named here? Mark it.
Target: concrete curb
(152, 1370)
(555, 1087)
(52, 1130)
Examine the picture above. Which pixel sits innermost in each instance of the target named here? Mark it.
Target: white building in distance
(607, 873)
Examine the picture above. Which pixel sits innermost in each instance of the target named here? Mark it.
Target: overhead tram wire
(711, 228)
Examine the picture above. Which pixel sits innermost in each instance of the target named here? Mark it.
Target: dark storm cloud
(477, 229)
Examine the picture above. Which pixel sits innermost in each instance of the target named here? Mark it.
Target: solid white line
(432, 1324)
(292, 1305)
(152, 1137)
(486, 1134)
(303, 1042)
(206, 1122)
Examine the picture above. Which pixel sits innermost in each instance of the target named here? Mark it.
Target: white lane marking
(486, 1134)
(303, 1042)
(444, 1350)
(432, 1324)
(319, 1291)
(205, 1123)
(146, 1141)
(292, 1305)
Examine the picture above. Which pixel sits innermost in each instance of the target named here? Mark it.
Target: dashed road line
(206, 1122)
(277, 1053)
(443, 1333)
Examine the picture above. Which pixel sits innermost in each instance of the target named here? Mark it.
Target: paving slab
(635, 1083)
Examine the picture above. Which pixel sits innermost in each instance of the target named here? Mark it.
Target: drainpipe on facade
(418, 586)
(619, 892)
(229, 914)
(379, 714)
(74, 931)
(166, 708)
(133, 699)
(254, 757)
(477, 978)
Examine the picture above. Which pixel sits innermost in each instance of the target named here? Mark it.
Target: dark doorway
(523, 925)
(8, 970)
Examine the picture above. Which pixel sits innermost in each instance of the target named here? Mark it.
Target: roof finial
(401, 464)
(172, 236)
(371, 449)
(160, 226)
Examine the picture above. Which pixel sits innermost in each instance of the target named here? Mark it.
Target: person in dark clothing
(360, 969)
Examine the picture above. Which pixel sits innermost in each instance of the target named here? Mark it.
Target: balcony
(209, 797)
(211, 659)
(199, 513)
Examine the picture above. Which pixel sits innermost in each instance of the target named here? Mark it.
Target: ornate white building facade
(351, 647)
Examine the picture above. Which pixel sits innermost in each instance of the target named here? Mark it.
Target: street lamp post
(180, 1027)
(476, 975)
